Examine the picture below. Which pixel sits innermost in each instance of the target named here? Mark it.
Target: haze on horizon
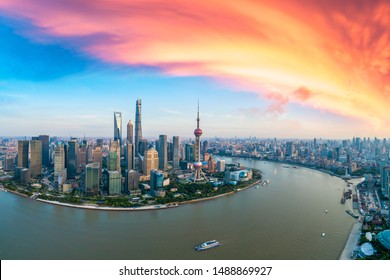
(297, 69)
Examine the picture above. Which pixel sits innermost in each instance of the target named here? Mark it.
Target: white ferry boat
(207, 245)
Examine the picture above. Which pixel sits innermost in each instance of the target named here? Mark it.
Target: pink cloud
(339, 51)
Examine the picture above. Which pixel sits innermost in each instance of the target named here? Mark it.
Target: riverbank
(139, 208)
(220, 195)
(331, 173)
(108, 208)
(352, 242)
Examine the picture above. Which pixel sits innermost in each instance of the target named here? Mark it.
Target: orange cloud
(328, 55)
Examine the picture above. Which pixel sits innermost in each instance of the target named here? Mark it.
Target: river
(282, 220)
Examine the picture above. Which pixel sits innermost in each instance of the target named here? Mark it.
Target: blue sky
(61, 84)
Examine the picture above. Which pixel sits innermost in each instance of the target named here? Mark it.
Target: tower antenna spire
(198, 119)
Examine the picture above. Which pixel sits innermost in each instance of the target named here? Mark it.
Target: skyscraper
(385, 180)
(162, 152)
(138, 127)
(36, 158)
(198, 175)
(118, 128)
(150, 161)
(59, 160)
(114, 160)
(130, 137)
(130, 156)
(92, 178)
(114, 182)
(156, 179)
(132, 181)
(23, 146)
(72, 165)
(45, 150)
(97, 157)
(176, 151)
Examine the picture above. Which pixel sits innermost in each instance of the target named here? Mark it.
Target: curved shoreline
(139, 208)
(352, 243)
(297, 164)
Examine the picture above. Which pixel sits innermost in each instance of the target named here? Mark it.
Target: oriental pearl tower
(198, 175)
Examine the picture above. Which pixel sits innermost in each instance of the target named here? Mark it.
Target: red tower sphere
(197, 164)
(198, 132)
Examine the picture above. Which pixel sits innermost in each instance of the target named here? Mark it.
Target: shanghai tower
(138, 127)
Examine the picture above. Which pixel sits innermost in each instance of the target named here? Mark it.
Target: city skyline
(323, 72)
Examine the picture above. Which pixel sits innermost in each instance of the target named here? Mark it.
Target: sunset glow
(330, 56)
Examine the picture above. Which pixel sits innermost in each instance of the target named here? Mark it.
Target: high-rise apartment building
(176, 152)
(36, 158)
(162, 152)
(138, 127)
(23, 146)
(150, 161)
(72, 164)
(92, 178)
(130, 131)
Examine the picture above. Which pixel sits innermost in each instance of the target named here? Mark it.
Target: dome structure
(366, 250)
(384, 238)
(243, 174)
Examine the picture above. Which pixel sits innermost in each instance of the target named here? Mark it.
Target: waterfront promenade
(352, 242)
(139, 208)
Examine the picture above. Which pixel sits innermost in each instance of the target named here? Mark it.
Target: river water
(282, 220)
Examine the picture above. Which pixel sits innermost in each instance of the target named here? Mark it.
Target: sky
(285, 69)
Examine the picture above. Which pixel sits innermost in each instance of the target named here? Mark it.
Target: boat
(257, 187)
(295, 167)
(323, 234)
(326, 210)
(265, 182)
(207, 245)
(352, 214)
